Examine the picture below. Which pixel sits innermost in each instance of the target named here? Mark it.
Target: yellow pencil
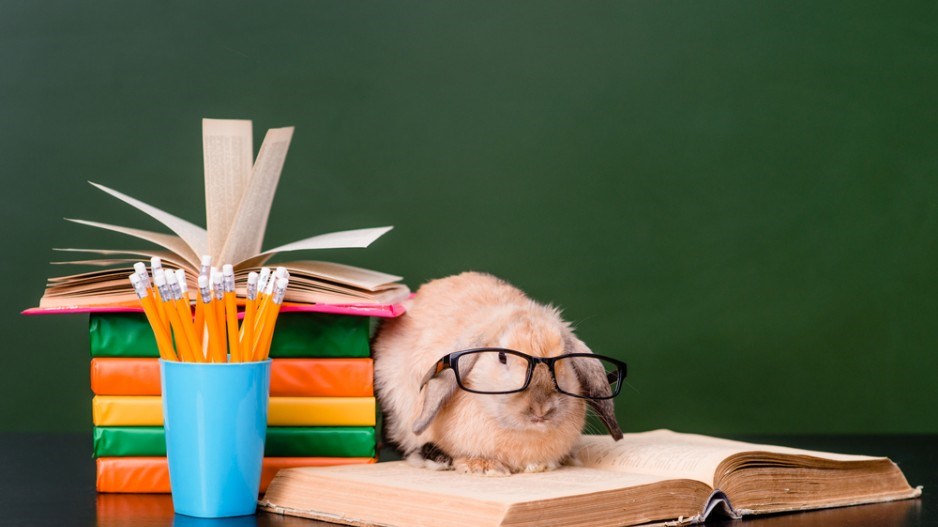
(247, 325)
(179, 333)
(264, 299)
(199, 322)
(205, 266)
(231, 312)
(214, 340)
(219, 290)
(176, 282)
(262, 279)
(163, 342)
(200, 305)
(156, 267)
(273, 311)
(140, 270)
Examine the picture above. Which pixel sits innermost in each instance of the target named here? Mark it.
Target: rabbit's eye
(502, 358)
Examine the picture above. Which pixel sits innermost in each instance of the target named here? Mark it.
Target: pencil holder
(215, 417)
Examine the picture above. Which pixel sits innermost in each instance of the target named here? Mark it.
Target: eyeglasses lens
(492, 371)
(567, 381)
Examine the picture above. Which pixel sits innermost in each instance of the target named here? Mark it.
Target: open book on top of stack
(651, 477)
(239, 192)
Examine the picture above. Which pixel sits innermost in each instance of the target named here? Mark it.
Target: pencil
(156, 267)
(263, 315)
(262, 279)
(219, 302)
(177, 286)
(199, 305)
(264, 299)
(247, 325)
(274, 310)
(179, 334)
(231, 312)
(163, 342)
(214, 340)
(140, 269)
(205, 266)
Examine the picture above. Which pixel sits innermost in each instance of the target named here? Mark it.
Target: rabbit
(437, 425)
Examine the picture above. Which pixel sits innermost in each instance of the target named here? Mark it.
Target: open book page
(196, 237)
(524, 487)
(344, 274)
(353, 239)
(228, 152)
(246, 234)
(173, 243)
(168, 257)
(676, 455)
(102, 262)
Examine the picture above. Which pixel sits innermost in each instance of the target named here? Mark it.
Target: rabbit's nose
(541, 411)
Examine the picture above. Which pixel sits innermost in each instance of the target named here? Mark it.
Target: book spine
(150, 441)
(147, 410)
(151, 474)
(298, 335)
(335, 377)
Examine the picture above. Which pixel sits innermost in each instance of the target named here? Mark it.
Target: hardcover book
(646, 478)
(239, 193)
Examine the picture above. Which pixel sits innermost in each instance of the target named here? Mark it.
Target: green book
(296, 335)
(338, 441)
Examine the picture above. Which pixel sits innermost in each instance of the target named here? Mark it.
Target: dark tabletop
(48, 479)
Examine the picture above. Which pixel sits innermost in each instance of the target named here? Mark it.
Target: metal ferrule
(206, 293)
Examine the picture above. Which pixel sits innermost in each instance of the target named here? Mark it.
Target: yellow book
(147, 410)
(321, 411)
(127, 410)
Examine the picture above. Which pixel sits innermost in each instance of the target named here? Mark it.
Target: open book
(650, 477)
(238, 197)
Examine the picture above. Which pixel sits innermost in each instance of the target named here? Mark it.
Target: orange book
(333, 377)
(151, 474)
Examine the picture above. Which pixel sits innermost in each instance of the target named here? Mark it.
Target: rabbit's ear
(593, 379)
(434, 394)
(438, 387)
(606, 412)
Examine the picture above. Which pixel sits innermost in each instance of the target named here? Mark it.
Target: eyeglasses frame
(451, 361)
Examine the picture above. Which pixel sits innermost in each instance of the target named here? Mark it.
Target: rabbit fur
(440, 426)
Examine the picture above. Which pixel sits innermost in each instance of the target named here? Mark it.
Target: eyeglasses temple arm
(433, 371)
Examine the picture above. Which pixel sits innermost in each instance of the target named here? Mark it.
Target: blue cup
(215, 416)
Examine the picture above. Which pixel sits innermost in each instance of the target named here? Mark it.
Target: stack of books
(321, 412)
(322, 406)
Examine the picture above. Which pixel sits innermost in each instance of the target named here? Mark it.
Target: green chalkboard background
(740, 199)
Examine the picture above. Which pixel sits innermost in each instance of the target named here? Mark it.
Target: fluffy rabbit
(440, 426)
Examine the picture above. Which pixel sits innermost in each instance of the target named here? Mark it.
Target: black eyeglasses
(584, 375)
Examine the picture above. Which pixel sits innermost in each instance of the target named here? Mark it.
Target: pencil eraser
(170, 277)
(252, 277)
(203, 281)
(227, 270)
(140, 268)
(159, 277)
(181, 278)
(156, 263)
(134, 279)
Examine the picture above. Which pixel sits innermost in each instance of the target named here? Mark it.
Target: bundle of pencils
(212, 334)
